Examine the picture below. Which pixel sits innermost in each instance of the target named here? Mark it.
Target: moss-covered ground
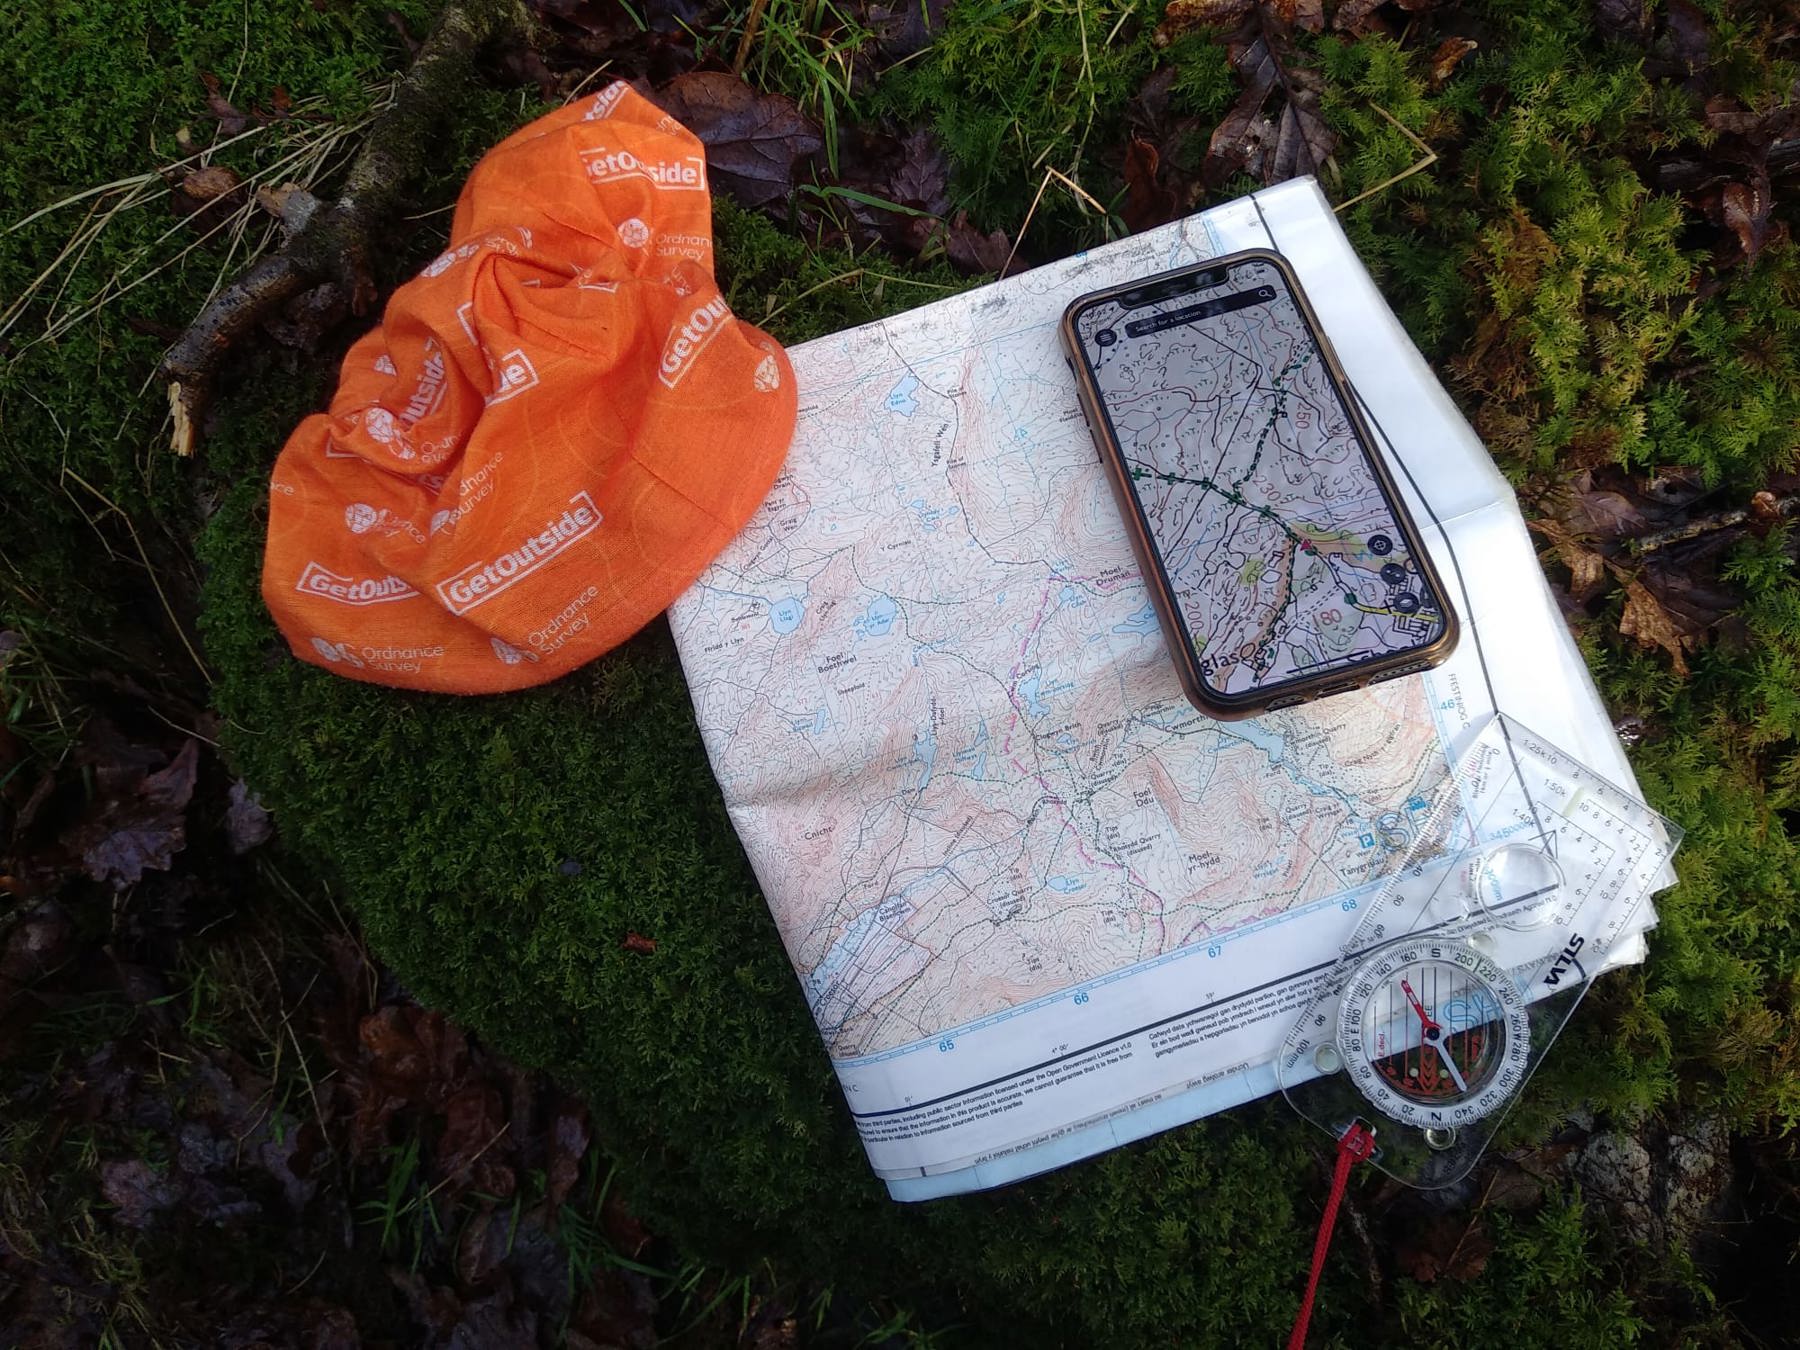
(1603, 332)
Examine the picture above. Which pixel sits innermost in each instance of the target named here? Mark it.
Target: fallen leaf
(136, 1191)
(1746, 212)
(1445, 1246)
(617, 1311)
(39, 942)
(477, 1255)
(115, 761)
(467, 1152)
(1147, 202)
(753, 140)
(139, 829)
(902, 28)
(637, 942)
(1357, 16)
(910, 172)
(972, 251)
(520, 62)
(1448, 56)
(569, 1137)
(290, 203)
(1306, 15)
(1587, 566)
(1686, 36)
(336, 1330)
(231, 121)
(1604, 513)
(247, 824)
(623, 1230)
(1298, 141)
(1512, 1188)
(1646, 620)
(417, 1052)
(921, 178)
(1182, 16)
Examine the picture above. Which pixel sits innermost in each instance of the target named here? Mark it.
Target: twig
(850, 275)
(1025, 224)
(1078, 190)
(1081, 195)
(1386, 183)
(751, 24)
(1782, 507)
(335, 242)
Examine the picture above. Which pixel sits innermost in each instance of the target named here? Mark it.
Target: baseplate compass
(1522, 879)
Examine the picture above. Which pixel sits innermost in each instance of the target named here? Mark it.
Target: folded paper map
(1038, 904)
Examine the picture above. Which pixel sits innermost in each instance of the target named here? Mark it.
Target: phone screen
(1278, 538)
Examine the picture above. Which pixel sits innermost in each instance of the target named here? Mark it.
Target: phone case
(1162, 592)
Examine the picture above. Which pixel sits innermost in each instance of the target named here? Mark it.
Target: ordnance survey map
(1037, 903)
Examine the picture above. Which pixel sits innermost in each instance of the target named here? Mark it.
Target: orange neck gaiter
(556, 427)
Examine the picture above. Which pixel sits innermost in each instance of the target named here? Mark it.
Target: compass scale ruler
(1521, 884)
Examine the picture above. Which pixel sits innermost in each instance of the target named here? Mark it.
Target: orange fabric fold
(557, 425)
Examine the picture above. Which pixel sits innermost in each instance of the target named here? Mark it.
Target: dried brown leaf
(1306, 15)
(42, 940)
(467, 1152)
(972, 251)
(1448, 56)
(1184, 16)
(753, 140)
(623, 1229)
(1147, 201)
(1445, 1246)
(231, 120)
(247, 824)
(1357, 16)
(1512, 1188)
(569, 1137)
(1303, 142)
(1298, 141)
(1746, 211)
(902, 28)
(1645, 619)
(1627, 20)
(138, 1193)
(138, 829)
(617, 1311)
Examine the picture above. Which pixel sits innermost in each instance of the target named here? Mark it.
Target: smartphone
(1280, 559)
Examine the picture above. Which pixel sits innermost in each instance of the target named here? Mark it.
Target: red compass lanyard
(1357, 1143)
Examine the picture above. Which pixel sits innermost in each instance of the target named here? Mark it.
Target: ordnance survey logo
(480, 582)
(322, 581)
(683, 173)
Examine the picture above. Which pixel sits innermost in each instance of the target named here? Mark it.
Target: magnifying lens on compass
(1517, 885)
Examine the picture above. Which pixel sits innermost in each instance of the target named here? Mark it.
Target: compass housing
(1434, 1034)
